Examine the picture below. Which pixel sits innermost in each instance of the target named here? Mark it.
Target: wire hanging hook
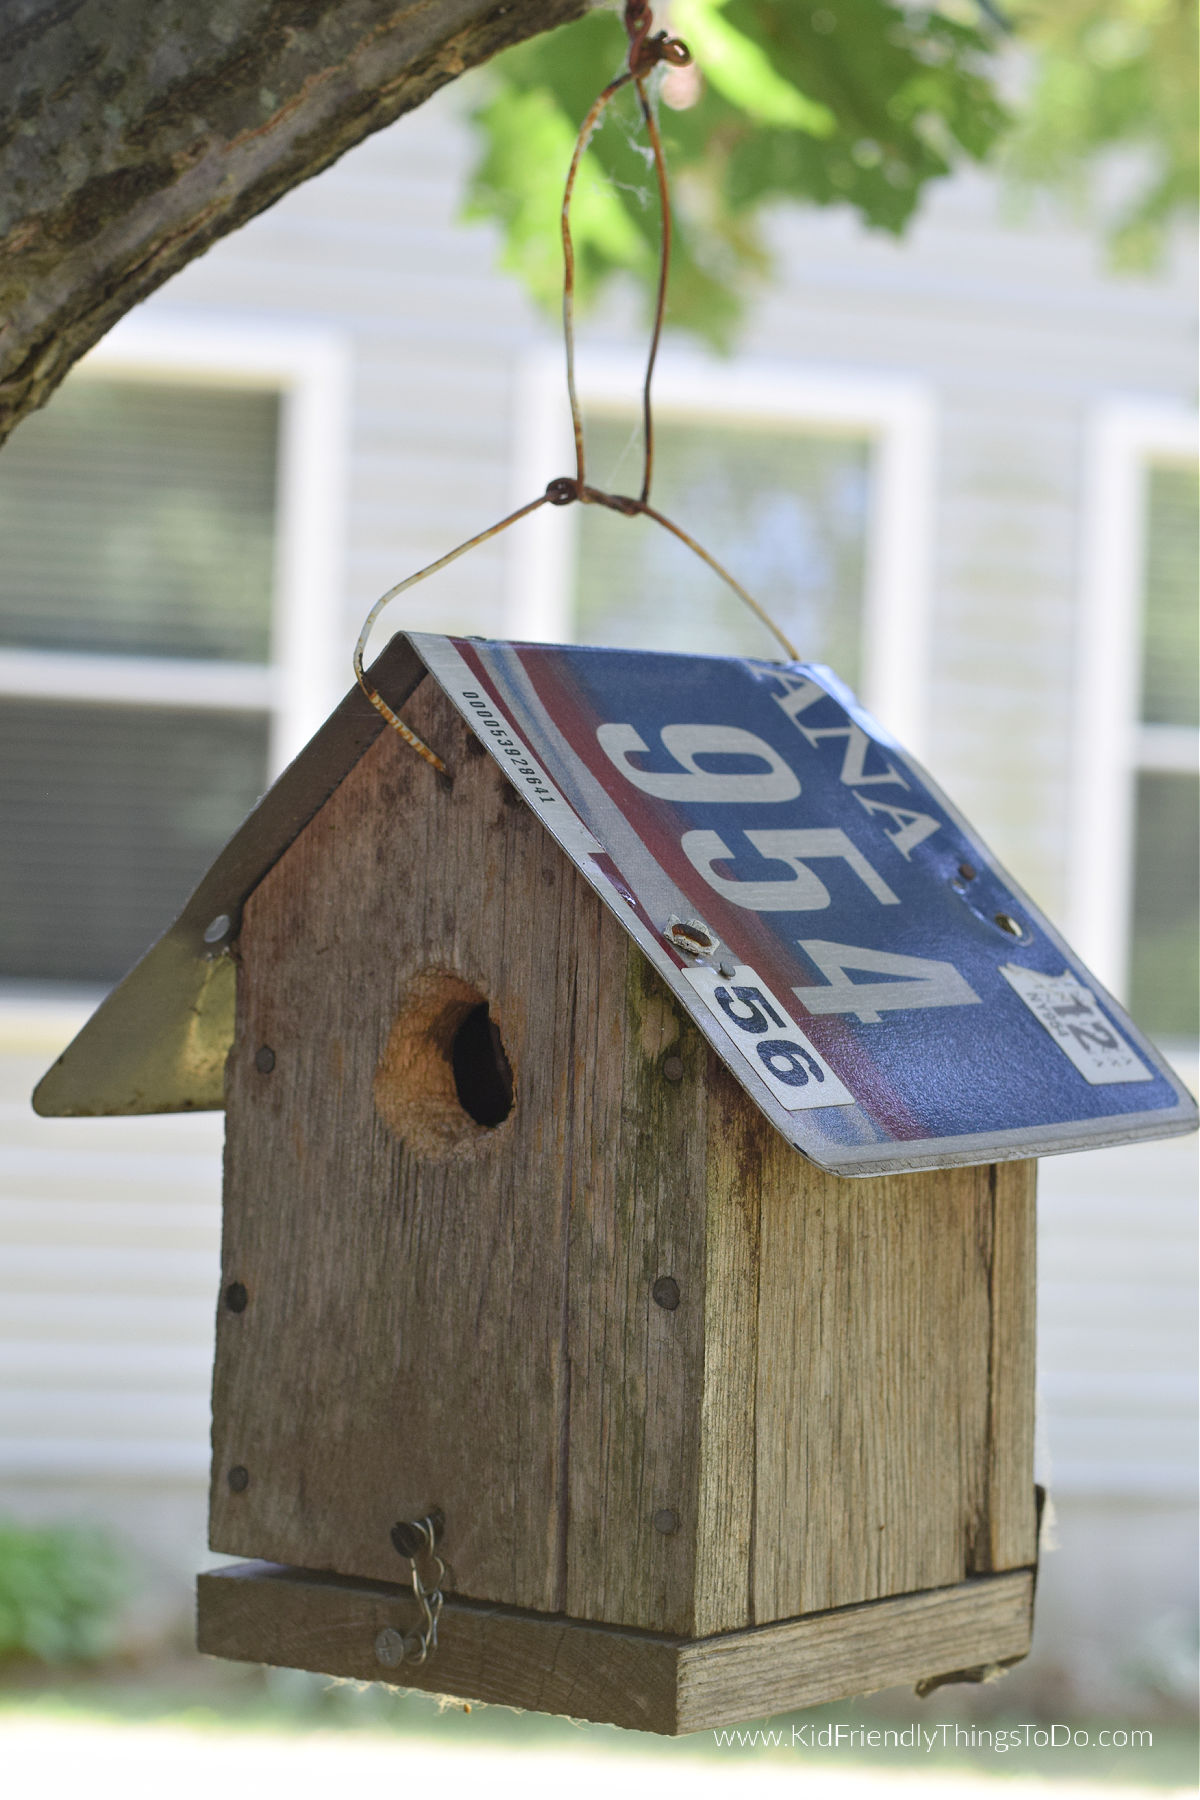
(645, 51)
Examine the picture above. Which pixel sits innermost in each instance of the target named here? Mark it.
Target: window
(786, 511)
(1137, 861)
(814, 491)
(145, 644)
(1164, 949)
(139, 522)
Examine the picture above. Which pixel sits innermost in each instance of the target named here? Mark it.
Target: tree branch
(133, 135)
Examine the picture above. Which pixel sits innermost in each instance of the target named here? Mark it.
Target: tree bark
(134, 134)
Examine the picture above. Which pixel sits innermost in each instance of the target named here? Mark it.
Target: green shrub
(61, 1591)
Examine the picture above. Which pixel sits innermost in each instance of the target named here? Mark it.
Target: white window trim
(897, 414)
(1110, 745)
(310, 369)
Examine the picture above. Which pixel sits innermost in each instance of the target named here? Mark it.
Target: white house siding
(108, 1229)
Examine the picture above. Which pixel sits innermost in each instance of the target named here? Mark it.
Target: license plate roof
(876, 981)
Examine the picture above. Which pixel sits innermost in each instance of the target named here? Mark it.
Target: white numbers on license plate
(1070, 1014)
(777, 1051)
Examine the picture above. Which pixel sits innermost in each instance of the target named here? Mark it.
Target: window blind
(138, 519)
(108, 818)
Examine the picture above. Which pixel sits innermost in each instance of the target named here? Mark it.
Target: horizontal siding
(1117, 1320)
(109, 1272)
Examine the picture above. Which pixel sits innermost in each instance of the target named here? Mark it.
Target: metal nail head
(665, 1293)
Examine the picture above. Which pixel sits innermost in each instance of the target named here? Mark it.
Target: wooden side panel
(873, 1407)
(1008, 1538)
(638, 1215)
(403, 1340)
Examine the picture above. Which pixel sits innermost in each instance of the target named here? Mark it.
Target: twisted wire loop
(646, 50)
(421, 1643)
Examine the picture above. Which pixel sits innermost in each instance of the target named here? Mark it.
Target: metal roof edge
(159, 1042)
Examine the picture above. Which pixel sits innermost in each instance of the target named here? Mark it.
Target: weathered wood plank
(858, 1650)
(726, 1511)
(1010, 1541)
(647, 1681)
(403, 1341)
(296, 1620)
(872, 1396)
(637, 1367)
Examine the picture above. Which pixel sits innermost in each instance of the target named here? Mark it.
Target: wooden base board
(260, 1612)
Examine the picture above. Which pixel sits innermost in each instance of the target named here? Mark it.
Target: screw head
(238, 1479)
(236, 1297)
(967, 871)
(665, 1293)
(264, 1059)
(389, 1648)
(218, 929)
(666, 1521)
(673, 1068)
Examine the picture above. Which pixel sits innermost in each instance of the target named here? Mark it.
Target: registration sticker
(1070, 1014)
(774, 1046)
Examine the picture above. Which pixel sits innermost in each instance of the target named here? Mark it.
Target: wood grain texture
(294, 1620)
(873, 1412)
(858, 1650)
(404, 1341)
(1009, 1540)
(636, 1368)
(727, 1475)
(645, 1681)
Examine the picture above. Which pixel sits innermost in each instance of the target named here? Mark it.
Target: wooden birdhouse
(629, 1194)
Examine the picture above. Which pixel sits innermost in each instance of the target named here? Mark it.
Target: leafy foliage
(60, 1593)
(826, 102)
(1108, 75)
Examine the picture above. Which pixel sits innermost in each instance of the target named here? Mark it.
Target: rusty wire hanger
(645, 52)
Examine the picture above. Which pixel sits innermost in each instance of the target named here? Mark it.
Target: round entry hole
(444, 1083)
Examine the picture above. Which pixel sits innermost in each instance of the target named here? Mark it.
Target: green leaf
(822, 102)
(741, 70)
(1113, 75)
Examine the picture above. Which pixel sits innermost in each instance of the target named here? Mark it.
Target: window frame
(1112, 746)
(298, 686)
(896, 414)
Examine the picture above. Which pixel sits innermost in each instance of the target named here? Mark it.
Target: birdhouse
(627, 1301)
